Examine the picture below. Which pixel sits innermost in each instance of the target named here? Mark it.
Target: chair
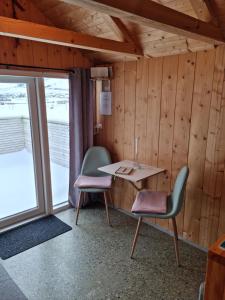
(201, 294)
(91, 180)
(158, 205)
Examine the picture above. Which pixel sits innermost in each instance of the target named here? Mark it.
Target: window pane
(57, 107)
(18, 191)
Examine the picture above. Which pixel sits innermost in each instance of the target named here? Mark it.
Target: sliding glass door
(56, 92)
(21, 169)
(34, 146)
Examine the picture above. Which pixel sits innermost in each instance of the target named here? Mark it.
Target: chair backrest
(94, 158)
(177, 195)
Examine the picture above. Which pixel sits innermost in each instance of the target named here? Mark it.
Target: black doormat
(8, 288)
(29, 235)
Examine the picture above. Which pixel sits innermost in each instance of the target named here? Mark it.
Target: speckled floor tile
(92, 262)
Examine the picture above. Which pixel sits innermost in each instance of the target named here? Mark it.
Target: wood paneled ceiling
(154, 42)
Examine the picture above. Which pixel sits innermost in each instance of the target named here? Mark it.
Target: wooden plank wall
(176, 106)
(24, 52)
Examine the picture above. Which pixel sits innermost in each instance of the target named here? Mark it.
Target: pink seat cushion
(150, 202)
(93, 182)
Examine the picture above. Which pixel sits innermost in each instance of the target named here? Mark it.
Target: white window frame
(36, 150)
(41, 146)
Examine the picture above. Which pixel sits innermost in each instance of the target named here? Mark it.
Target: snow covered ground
(17, 185)
(14, 99)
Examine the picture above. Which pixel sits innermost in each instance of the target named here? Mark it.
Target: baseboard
(158, 227)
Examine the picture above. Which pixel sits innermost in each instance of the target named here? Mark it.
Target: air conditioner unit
(101, 73)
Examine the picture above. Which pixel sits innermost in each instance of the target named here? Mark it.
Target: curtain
(81, 110)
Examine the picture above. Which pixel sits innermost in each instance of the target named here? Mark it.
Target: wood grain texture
(217, 7)
(154, 42)
(201, 10)
(118, 110)
(179, 115)
(198, 141)
(141, 108)
(53, 35)
(182, 122)
(168, 101)
(118, 125)
(22, 52)
(214, 162)
(130, 69)
(220, 153)
(215, 275)
(150, 13)
(155, 69)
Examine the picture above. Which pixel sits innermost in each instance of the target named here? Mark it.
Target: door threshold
(60, 207)
(22, 223)
(56, 209)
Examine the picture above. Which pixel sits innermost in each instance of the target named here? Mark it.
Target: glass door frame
(33, 103)
(44, 138)
(42, 142)
(40, 83)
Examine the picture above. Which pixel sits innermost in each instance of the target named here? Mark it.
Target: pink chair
(158, 205)
(91, 180)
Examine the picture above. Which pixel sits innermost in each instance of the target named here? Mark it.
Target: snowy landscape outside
(18, 192)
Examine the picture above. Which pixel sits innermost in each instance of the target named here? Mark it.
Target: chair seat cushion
(93, 182)
(150, 202)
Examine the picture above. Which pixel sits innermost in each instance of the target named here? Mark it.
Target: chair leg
(136, 237)
(110, 197)
(106, 208)
(176, 241)
(79, 205)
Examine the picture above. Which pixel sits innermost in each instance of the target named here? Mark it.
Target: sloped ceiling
(153, 42)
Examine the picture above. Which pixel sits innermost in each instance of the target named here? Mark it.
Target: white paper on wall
(106, 103)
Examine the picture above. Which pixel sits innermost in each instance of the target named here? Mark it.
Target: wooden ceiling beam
(121, 31)
(217, 8)
(150, 13)
(52, 35)
(201, 10)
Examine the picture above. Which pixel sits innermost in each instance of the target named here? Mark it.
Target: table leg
(137, 188)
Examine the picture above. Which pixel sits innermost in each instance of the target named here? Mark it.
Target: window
(57, 108)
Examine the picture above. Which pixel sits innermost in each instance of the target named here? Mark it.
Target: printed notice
(106, 103)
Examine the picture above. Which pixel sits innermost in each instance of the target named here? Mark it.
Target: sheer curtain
(81, 107)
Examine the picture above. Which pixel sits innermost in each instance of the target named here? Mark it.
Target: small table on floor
(139, 173)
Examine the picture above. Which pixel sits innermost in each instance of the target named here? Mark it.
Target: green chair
(201, 294)
(91, 180)
(159, 205)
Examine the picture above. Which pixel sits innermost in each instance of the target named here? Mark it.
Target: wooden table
(140, 172)
(215, 275)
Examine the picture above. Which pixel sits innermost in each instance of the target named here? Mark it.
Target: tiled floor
(92, 262)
